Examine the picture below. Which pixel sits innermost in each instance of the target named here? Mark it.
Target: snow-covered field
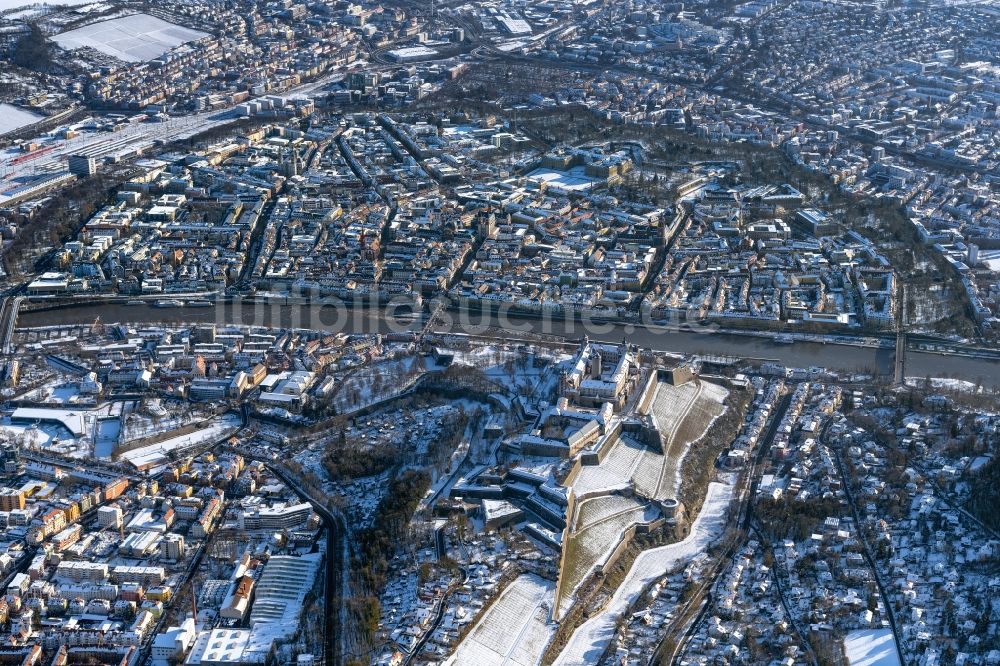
(590, 639)
(946, 384)
(134, 38)
(108, 432)
(156, 454)
(17, 4)
(514, 630)
(11, 117)
(871, 647)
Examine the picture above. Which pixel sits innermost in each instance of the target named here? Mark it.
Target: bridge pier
(899, 364)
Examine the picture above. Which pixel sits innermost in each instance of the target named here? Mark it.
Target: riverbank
(834, 355)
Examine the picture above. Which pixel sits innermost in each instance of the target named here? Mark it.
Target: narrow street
(337, 564)
(695, 610)
(866, 551)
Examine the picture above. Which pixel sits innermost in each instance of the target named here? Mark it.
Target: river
(844, 358)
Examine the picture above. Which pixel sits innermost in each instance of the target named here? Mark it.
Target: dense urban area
(501, 333)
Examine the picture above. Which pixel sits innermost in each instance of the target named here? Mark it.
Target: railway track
(698, 604)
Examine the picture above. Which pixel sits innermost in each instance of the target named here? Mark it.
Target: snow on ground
(871, 647)
(946, 384)
(134, 38)
(514, 630)
(23, 14)
(413, 52)
(16, 4)
(58, 393)
(151, 418)
(625, 459)
(514, 45)
(380, 381)
(990, 259)
(591, 638)
(683, 414)
(599, 527)
(138, 136)
(106, 439)
(12, 118)
(156, 454)
(37, 435)
(571, 180)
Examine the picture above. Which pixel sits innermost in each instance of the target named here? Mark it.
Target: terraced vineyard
(597, 530)
(514, 630)
(682, 415)
(624, 461)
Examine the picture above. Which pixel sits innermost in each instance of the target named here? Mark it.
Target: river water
(387, 320)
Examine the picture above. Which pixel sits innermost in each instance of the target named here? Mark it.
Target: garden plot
(514, 630)
(683, 414)
(591, 512)
(597, 530)
(135, 38)
(590, 639)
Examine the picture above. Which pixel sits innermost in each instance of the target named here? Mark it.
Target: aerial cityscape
(500, 333)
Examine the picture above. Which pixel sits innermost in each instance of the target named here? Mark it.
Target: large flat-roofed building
(275, 518)
(775, 229)
(281, 590)
(82, 571)
(286, 389)
(411, 54)
(230, 647)
(72, 420)
(817, 221)
(11, 499)
(140, 574)
(82, 165)
(49, 283)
